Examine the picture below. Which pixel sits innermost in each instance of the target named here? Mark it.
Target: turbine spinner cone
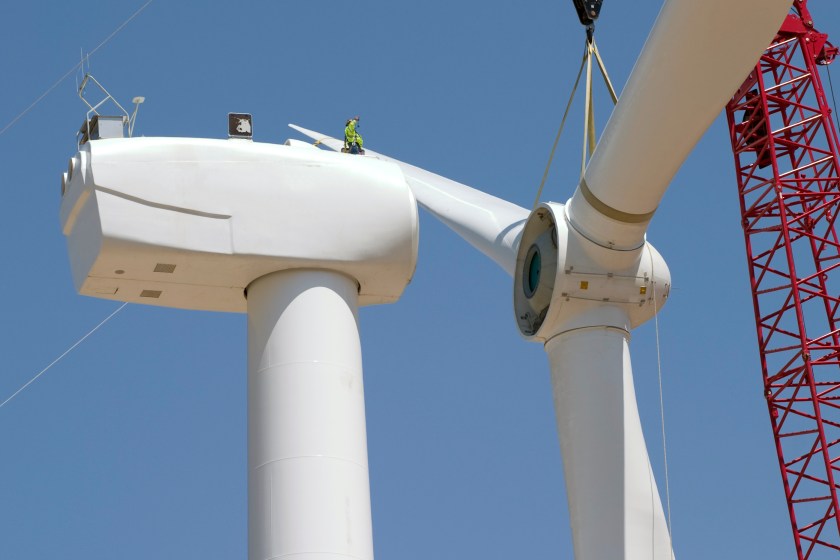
(564, 281)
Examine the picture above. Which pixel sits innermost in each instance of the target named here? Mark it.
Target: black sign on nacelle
(240, 125)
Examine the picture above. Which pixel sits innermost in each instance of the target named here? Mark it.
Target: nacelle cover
(190, 222)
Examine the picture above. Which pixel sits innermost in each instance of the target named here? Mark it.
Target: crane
(786, 160)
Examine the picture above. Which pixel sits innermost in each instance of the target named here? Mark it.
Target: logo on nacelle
(240, 125)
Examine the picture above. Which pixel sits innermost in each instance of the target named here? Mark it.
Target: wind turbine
(298, 239)
(585, 275)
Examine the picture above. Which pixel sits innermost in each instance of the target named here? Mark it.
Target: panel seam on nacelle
(161, 205)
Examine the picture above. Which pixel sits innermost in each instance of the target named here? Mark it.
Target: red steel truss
(786, 161)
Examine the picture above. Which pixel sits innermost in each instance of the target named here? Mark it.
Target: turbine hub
(564, 281)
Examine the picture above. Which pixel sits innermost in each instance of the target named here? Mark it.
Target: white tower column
(308, 484)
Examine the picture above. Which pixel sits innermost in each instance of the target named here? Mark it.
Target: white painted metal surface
(696, 56)
(613, 500)
(308, 485)
(217, 214)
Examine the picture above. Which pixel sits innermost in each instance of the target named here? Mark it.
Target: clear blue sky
(133, 446)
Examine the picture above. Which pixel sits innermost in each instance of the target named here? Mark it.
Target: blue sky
(133, 446)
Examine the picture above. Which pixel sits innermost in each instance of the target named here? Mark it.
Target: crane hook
(588, 11)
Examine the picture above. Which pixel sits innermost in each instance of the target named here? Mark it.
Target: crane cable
(43, 371)
(73, 69)
(662, 420)
(590, 51)
(560, 130)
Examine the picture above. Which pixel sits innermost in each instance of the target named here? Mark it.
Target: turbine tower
(298, 239)
(583, 272)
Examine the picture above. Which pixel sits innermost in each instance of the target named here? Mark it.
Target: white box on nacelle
(190, 222)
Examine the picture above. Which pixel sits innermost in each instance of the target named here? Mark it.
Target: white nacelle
(189, 222)
(564, 281)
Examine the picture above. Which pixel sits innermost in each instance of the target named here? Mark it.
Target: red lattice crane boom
(786, 160)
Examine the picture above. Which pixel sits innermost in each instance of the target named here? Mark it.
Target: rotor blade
(488, 223)
(696, 56)
(614, 504)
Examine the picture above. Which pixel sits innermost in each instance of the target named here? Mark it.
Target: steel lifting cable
(74, 68)
(560, 130)
(662, 417)
(590, 51)
(43, 371)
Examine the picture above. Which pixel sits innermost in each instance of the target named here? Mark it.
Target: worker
(352, 139)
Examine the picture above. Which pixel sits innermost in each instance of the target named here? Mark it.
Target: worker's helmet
(356, 118)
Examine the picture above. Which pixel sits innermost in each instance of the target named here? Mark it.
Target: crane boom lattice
(786, 161)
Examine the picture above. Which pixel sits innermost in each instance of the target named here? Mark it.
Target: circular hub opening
(531, 271)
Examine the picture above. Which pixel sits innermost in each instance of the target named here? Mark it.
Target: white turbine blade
(614, 503)
(328, 141)
(696, 56)
(488, 223)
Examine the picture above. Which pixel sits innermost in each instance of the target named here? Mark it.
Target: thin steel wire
(43, 371)
(662, 420)
(73, 69)
(560, 130)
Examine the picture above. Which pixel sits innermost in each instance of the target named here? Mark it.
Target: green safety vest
(351, 136)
